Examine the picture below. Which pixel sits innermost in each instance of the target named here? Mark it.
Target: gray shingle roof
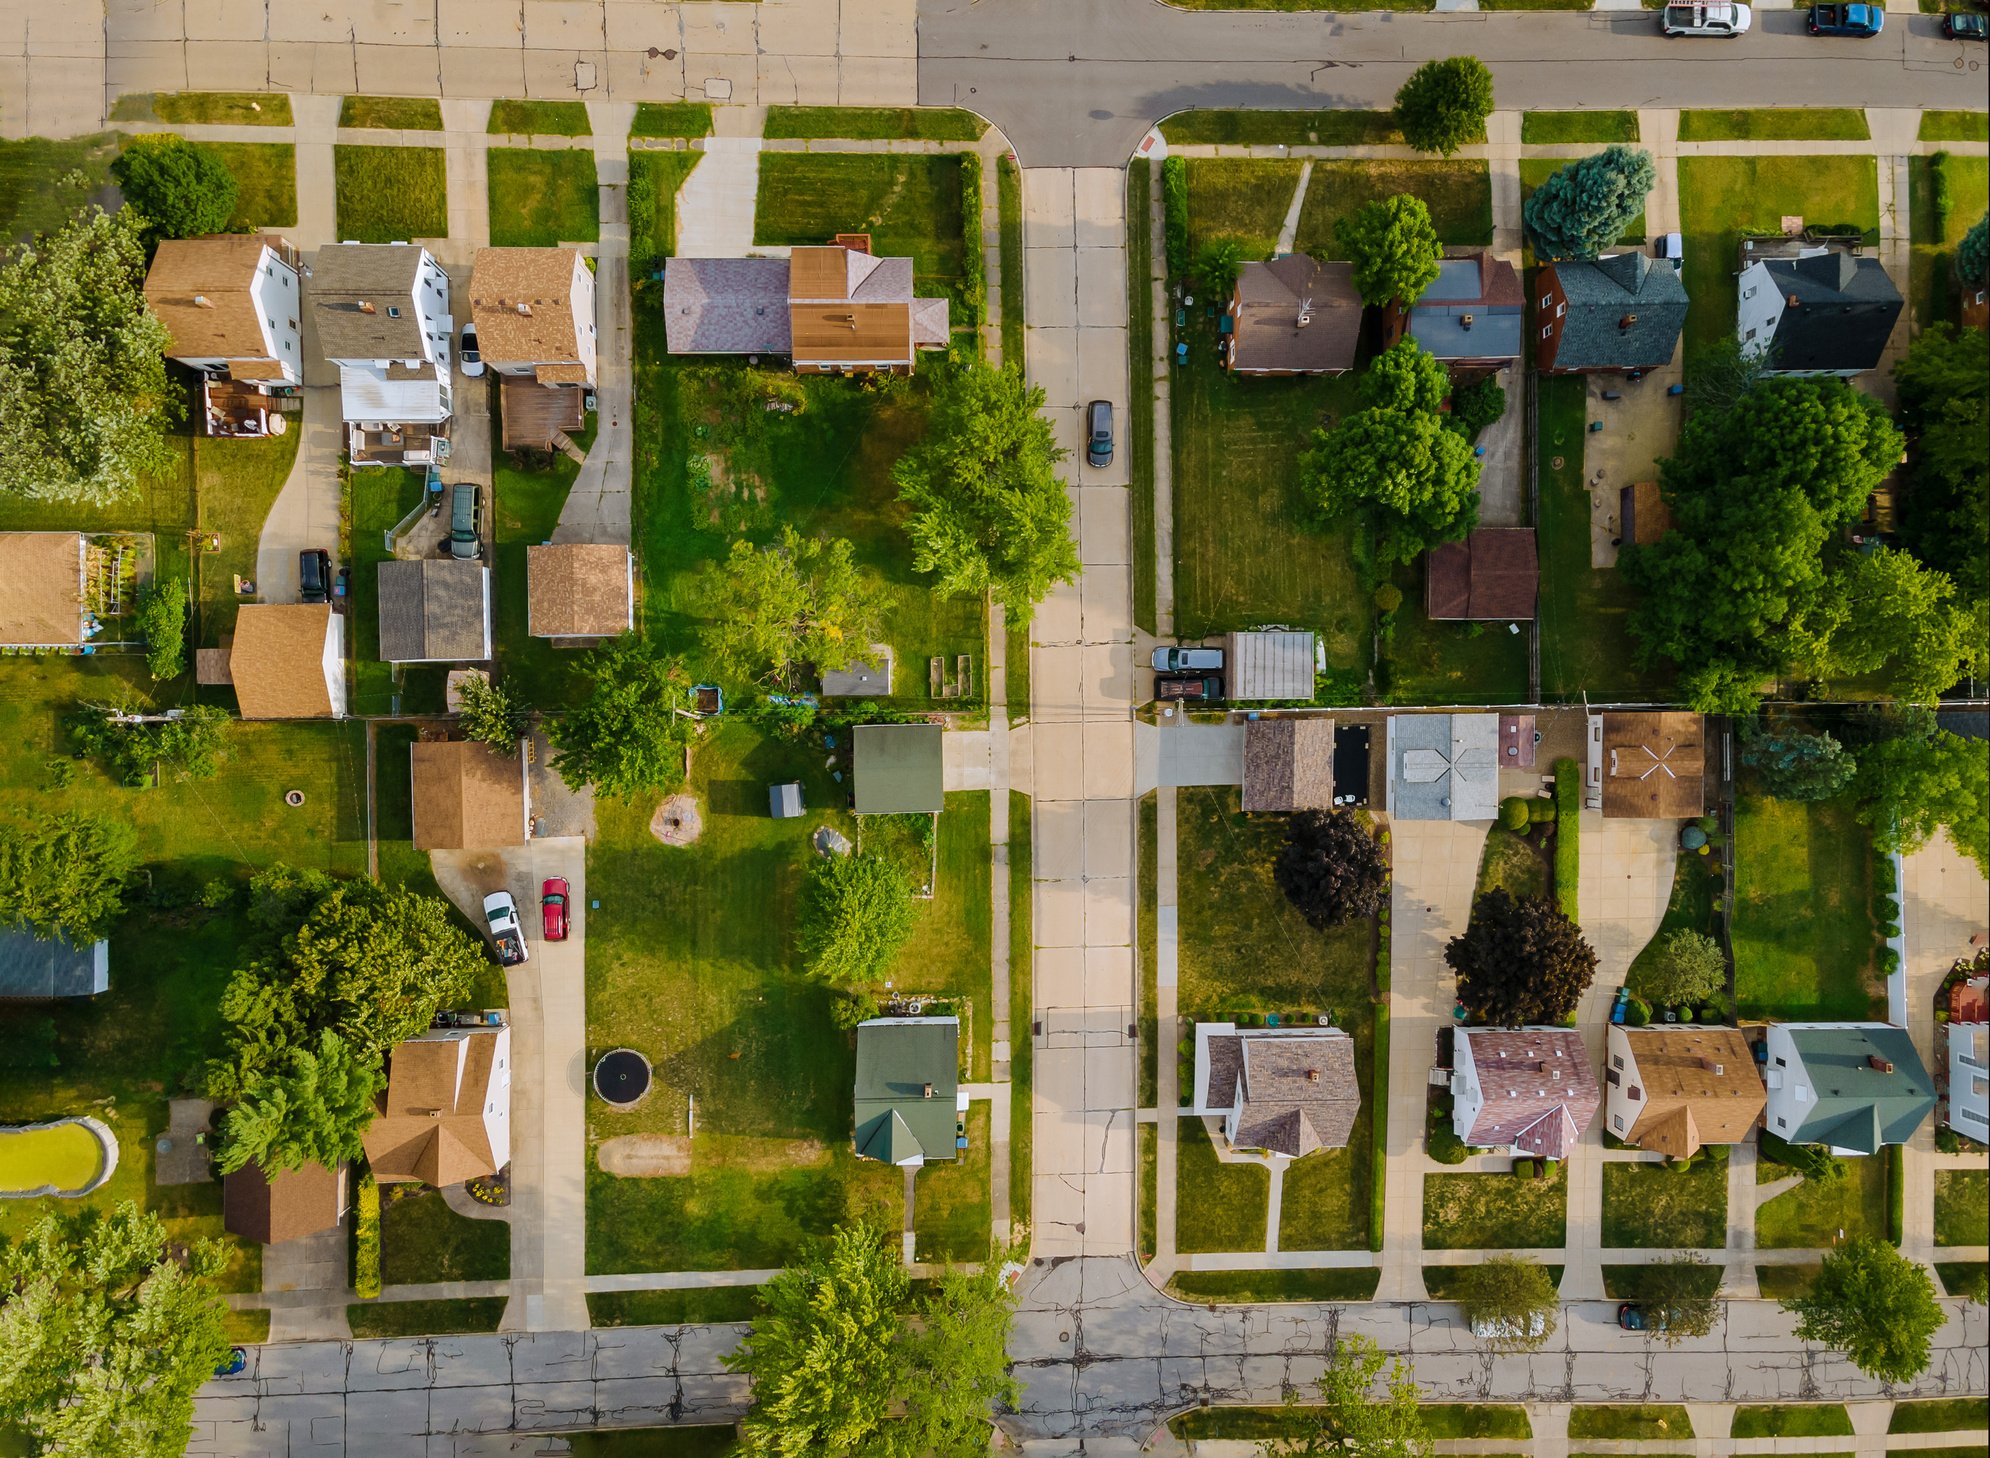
(1288, 765)
(727, 305)
(1843, 311)
(1292, 1091)
(34, 969)
(1602, 296)
(346, 275)
(433, 610)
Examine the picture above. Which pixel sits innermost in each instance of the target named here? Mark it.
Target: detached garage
(1270, 666)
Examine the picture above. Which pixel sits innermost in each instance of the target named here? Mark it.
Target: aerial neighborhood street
(911, 727)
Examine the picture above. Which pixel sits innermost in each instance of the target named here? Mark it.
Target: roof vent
(1312, 1075)
(1627, 321)
(524, 309)
(1879, 1064)
(1716, 1069)
(926, 1091)
(1795, 302)
(1305, 312)
(202, 301)
(366, 307)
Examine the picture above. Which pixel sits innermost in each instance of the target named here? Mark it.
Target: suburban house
(382, 311)
(435, 610)
(1673, 1089)
(908, 1094)
(1292, 316)
(1969, 1080)
(1854, 1087)
(446, 1114)
(296, 1203)
(832, 309)
(231, 305)
(1470, 318)
(1493, 576)
(1269, 667)
(286, 661)
(900, 769)
(1621, 312)
(1813, 309)
(1288, 765)
(43, 590)
(468, 796)
(1286, 1091)
(37, 970)
(534, 312)
(868, 677)
(1648, 765)
(579, 590)
(1443, 766)
(1529, 1090)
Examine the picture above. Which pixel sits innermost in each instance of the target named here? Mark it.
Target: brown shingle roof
(431, 1124)
(1293, 1092)
(41, 587)
(1493, 576)
(466, 796)
(297, 1202)
(1654, 765)
(277, 661)
(219, 271)
(577, 590)
(541, 280)
(1269, 302)
(1686, 1102)
(1288, 765)
(1539, 1089)
(1642, 513)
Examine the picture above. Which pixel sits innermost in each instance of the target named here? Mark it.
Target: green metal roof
(899, 769)
(897, 1058)
(1854, 1105)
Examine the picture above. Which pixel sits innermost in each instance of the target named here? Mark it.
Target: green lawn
(672, 119)
(1149, 1178)
(1931, 258)
(390, 194)
(1244, 949)
(874, 123)
(1357, 1284)
(1275, 128)
(1301, 4)
(952, 1210)
(1657, 1207)
(1441, 1282)
(529, 493)
(698, 1305)
(1009, 212)
(1775, 124)
(1238, 200)
(266, 183)
(1694, 885)
(1795, 1420)
(422, 1240)
(1962, 1207)
(667, 171)
(1723, 198)
(1780, 1282)
(1513, 863)
(690, 960)
(1429, 662)
(206, 108)
(1218, 1207)
(400, 864)
(1140, 369)
(1812, 1214)
(1147, 922)
(392, 113)
(374, 1319)
(1022, 988)
(1458, 194)
(909, 205)
(539, 118)
(1579, 126)
(1476, 1420)
(1940, 1415)
(1804, 940)
(539, 199)
(1955, 126)
(42, 182)
(235, 484)
(379, 497)
(1645, 1422)
(1959, 1277)
(1494, 1211)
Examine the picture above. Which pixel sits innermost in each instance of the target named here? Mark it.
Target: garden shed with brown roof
(1288, 764)
(41, 589)
(579, 590)
(1493, 575)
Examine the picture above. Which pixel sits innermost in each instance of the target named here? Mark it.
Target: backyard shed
(908, 1083)
(784, 802)
(1269, 665)
(294, 1203)
(899, 769)
(33, 970)
(1288, 765)
(868, 677)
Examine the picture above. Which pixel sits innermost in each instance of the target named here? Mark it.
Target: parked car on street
(463, 537)
(1188, 687)
(1864, 21)
(1966, 25)
(553, 908)
(1631, 1316)
(507, 936)
(314, 575)
(472, 361)
(1098, 433)
(1180, 659)
(1718, 19)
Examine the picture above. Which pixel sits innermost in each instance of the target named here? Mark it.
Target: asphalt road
(1077, 83)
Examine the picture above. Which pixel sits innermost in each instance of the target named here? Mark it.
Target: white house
(382, 311)
(231, 304)
(447, 1114)
(1969, 1080)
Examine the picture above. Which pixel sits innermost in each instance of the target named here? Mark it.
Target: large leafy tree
(106, 1337)
(1972, 254)
(856, 912)
(1797, 766)
(956, 1364)
(64, 875)
(1444, 104)
(989, 512)
(182, 189)
(1394, 465)
(1688, 968)
(84, 406)
(628, 738)
(1678, 1297)
(798, 603)
(311, 1112)
(1873, 1304)
(1351, 1418)
(491, 713)
(1393, 246)
(1331, 869)
(1584, 207)
(1915, 778)
(1944, 385)
(1897, 623)
(1510, 1298)
(1520, 961)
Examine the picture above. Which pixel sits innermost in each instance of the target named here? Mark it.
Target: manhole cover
(294, 798)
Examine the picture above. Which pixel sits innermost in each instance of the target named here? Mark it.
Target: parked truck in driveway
(507, 936)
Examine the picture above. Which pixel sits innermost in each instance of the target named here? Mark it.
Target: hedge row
(974, 278)
(366, 1231)
(1896, 1195)
(1568, 831)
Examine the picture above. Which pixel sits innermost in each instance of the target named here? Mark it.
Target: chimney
(1305, 312)
(1879, 1064)
(1465, 321)
(1795, 302)
(524, 309)
(1716, 1069)
(366, 307)
(926, 1091)
(1312, 1075)
(1627, 321)
(202, 301)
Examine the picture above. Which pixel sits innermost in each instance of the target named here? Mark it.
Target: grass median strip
(1640, 1422)
(392, 113)
(698, 1305)
(1792, 1420)
(1940, 1415)
(1355, 1283)
(1578, 126)
(206, 108)
(672, 119)
(1775, 124)
(377, 1319)
(1140, 376)
(1955, 126)
(1282, 128)
(539, 119)
(873, 123)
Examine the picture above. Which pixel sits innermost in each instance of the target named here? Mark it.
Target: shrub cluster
(366, 1239)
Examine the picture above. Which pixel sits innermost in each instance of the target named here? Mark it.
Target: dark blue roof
(1624, 312)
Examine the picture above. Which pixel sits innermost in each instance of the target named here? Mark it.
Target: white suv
(1708, 19)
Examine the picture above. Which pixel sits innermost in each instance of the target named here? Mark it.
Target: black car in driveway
(314, 575)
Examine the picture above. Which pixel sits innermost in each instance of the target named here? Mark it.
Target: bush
(1523, 1169)
(1568, 850)
(1540, 812)
(366, 1239)
(974, 281)
(1889, 961)
(1474, 407)
(1941, 194)
(1444, 1145)
(1711, 1014)
(1812, 1161)
(1637, 1012)
(1513, 814)
(181, 188)
(1885, 880)
(1946, 1141)
(162, 622)
(1896, 1195)
(1174, 209)
(1388, 597)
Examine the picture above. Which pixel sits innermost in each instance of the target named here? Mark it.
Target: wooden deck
(535, 413)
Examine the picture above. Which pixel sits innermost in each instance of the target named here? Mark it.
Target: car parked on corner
(507, 936)
(464, 542)
(314, 575)
(1966, 25)
(1187, 687)
(1863, 21)
(1631, 1317)
(1098, 433)
(1710, 17)
(1178, 658)
(553, 908)
(467, 355)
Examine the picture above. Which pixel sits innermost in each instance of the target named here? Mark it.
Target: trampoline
(622, 1077)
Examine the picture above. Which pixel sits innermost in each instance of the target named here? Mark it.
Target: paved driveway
(1627, 870)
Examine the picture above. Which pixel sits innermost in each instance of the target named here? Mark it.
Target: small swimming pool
(63, 1157)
